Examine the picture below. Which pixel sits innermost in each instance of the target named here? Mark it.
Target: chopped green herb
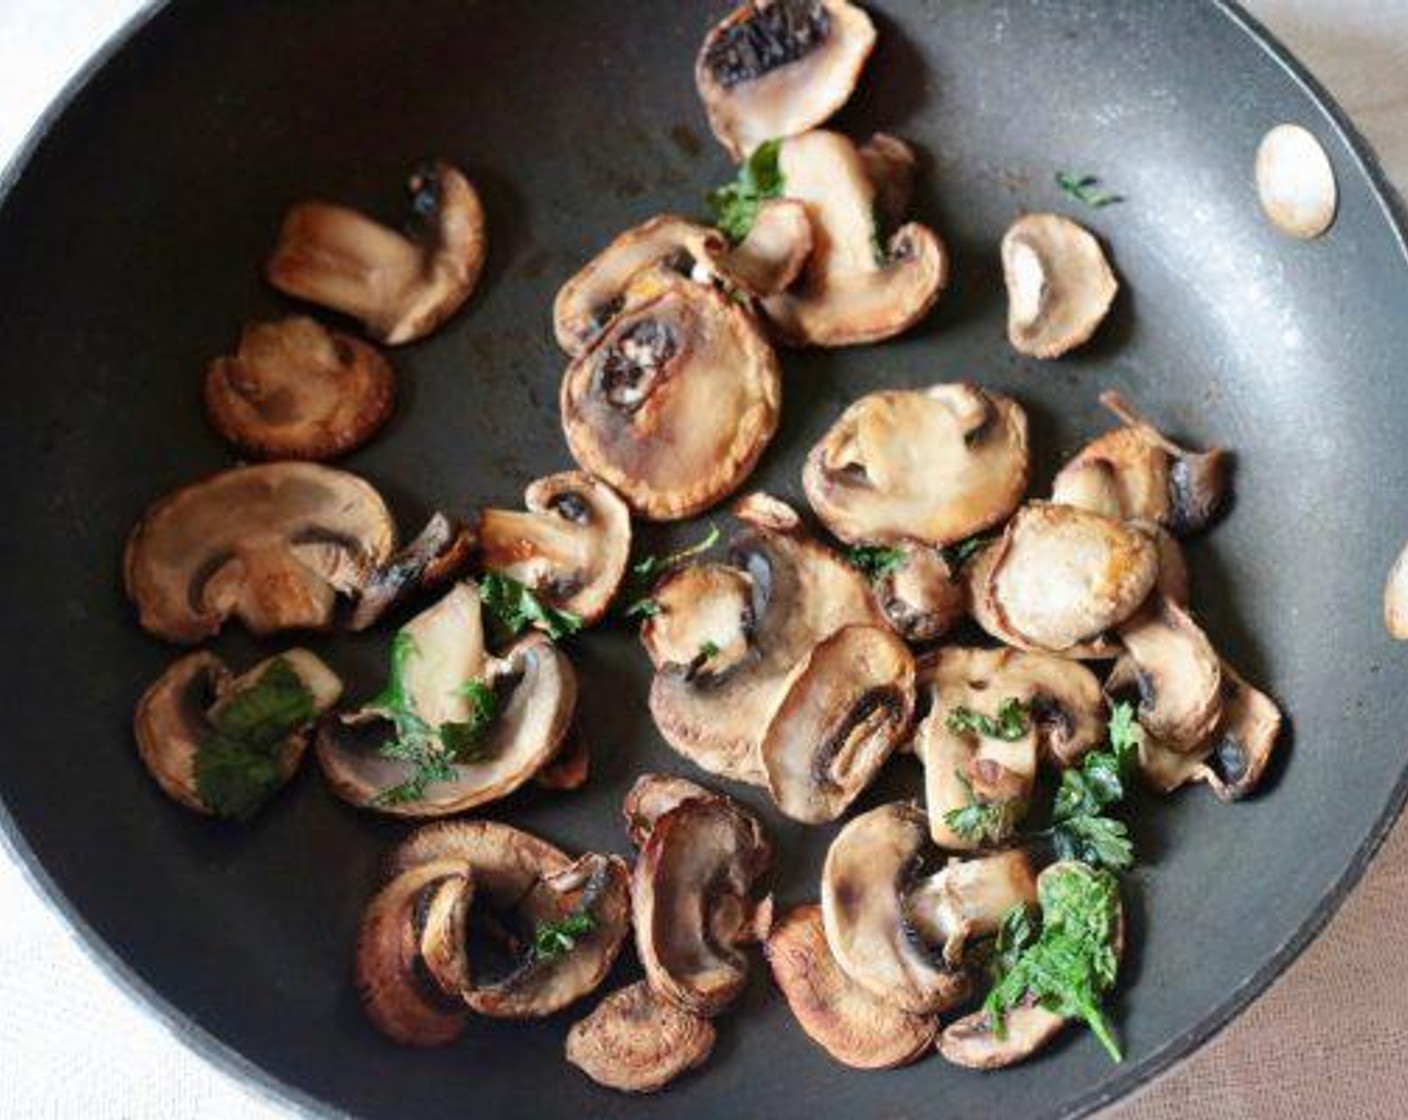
(1079, 827)
(735, 205)
(643, 608)
(983, 822)
(1086, 189)
(1012, 722)
(707, 650)
(875, 560)
(514, 606)
(1125, 734)
(956, 555)
(649, 568)
(552, 939)
(1015, 932)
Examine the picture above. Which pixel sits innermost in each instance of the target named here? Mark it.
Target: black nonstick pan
(131, 239)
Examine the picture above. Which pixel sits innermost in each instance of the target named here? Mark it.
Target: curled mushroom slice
(923, 596)
(437, 554)
(775, 250)
(889, 165)
(935, 465)
(843, 711)
(542, 930)
(400, 287)
(1396, 598)
(221, 744)
(856, 288)
(673, 403)
(1244, 741)
(703, 622)
(571, 546)
(637, 1042)
(654, 795)
(1178, 674)
(296, 390)
(271, 545)
(848, 1021)
(774, 68)
(691, 897)
(1059, 284)
(973, 1041)
(968, 898)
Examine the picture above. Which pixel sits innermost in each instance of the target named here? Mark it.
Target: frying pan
(130, 244)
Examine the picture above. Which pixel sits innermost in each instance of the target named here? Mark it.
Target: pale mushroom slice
(442, 661)
(401, 287)
(569, 548)
(221, 744)
(653, 795)
(1137, 473)
(271, 545)
(1059, 284)
(924, 595)
(692, 902)
(1178, 675)
(775, 68)
(637, 1042)
(674, 402)
(296, 390)
(774, 251)
(1396, 598)
(890, 165)
(543, 929)
(967, 899)
(800, 593)
(703, 623)
(843, 711)
(1295, 182)
(847, 1020)
(935, 465)
(856, 288)
(870, 868)
(1061, 576)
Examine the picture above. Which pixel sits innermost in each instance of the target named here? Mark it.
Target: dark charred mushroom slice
(774, 68)
(400, 287)
(439, 552)
(972, 1041)
(673, 403)
(923, 596)
(271, 545)
(774, 252)
(692, 902)
(1179, 675)
(843, 711)
(654, 795)
(1059, 284)
(936, 465)
(570, 547)
(845, 1019)
(637, 1042)
(855, 288)
(1396, 598)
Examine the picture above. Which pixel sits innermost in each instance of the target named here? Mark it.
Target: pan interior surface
(130, 253)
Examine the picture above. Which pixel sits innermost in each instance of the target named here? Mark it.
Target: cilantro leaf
(1012, 722)
(552, 939)
(1097, 840)
(735, 205)
(233, 780)
(1125, 734)
(1079, 827)
(1086, 189)
(514, 607)
(875, 560)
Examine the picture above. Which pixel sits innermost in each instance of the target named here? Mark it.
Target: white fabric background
(72, 1046)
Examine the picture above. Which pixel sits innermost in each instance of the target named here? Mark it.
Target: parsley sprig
(735, 205)
(1086, 189)
(1080, 828)
(649, 568)
(513, 606)
(983, 822)
(553, 939)
(1013, 720)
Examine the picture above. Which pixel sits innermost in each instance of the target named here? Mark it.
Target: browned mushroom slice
(922, 595)
(801, 593)
(400, 287)
(1244, 741)
(673, 403)
(543, 929)
(968, 898)
(889, 165)
(973, 1041)
(1061, 576)
(692, 902)
(1059, 284)
(848, 1021)
(439, 552)
(271, 545)
(775, 250)
(843, 711)
(855, 288)
(571, 765)
(416, 919)
(654, 795)
(1179, 675)
(221, 744)
(935, 465)
(1396, 598)
(703, 621)
(774, 68)
(570, 547)
(637, 1042)
(1161, 768)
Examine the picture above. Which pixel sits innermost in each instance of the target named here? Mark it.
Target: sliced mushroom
(1178, 674)
(416, 919)
(654, 795)
(848, 1021)
(691, 897)
(571, 765)
(181, 711)
(801, 593)
(1059, 284)
(1137, 473)
(521, 885)
(774, 68)
(1061, 576)
(439, 552)
(1296, 182)
(673, 403)
(968, 898)
(271, 545)
(843, 711)
(923, 596)
(774, 252)
(570, 547)
(637, 1042)
(889, 165)
(1396, 598)
(936, 465)
(856, 288)
(869, 870)
(972, 1041)
(703, 622)
(400, 287)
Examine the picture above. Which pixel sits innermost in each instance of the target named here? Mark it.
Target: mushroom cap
(570, 547)
(934, 465)
(1296, 182)
(1178, 674)
(637, 1042)
(923, 596)
(848, 1021)
(972, 1042)
(652, 795)
(778, 68)
(844, 709)
(1059, 284)
(691, 897)
(401, 288)
(775, 250)
(296, 390)
(674, 401)
(270, 544)
(853, 290)
(864, 883)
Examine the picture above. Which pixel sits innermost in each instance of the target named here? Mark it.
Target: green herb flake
(707, 650)
(735, 205)
(876, 561)
(514, 607)
(1080, 828)
(1086, 189)
(1012, 722)
(983, 822)
(956, 555)
(649, 568)
(553, 939)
